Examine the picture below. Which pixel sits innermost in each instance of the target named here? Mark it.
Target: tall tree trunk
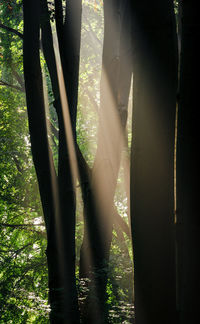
(57, 193)
(99, 196)
(188, 223)
(69, 32)
(38, 134)
(152, 161)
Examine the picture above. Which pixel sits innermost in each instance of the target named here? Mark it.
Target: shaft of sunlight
(111, 136)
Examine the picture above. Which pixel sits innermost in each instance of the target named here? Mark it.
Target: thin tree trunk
(188, 224)
(152, 161)
(69, 32)
(38, 133)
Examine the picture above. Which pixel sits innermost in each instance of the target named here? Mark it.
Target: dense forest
(99, 162)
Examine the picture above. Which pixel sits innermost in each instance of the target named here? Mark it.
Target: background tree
(99, 193)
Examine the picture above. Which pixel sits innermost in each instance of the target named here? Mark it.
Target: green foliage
(23, 269)
(11, 44)
(120, 285)
(89, 80)
(23, 283)
(176, 4)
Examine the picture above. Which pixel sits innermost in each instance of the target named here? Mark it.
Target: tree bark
(188, 224)
(38, 132)
(152, 161)
(57, 193)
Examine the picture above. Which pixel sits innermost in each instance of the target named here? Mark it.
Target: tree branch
(20, 225)
(54, 130)
(118, 220)
(3, 83)
(18, 78)
(11, 30)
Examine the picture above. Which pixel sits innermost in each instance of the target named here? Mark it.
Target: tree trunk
(152, 161)
(57, 193)
(38, 133)
(188, 224)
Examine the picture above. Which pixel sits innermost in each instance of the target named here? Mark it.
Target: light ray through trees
(111, 140)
